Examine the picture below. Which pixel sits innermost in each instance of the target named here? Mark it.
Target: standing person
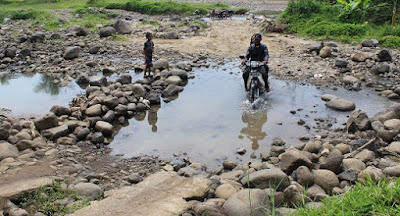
(257, 52)
(148, 54)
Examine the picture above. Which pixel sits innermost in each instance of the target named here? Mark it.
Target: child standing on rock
(148, 54)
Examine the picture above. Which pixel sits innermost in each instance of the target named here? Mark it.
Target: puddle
(33, 93)
(211, 118)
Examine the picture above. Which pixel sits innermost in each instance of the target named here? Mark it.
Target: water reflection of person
(153, 118)
(253, 130)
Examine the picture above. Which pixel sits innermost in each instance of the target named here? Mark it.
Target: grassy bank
(369, 198)
(50, 200)
(321, 20)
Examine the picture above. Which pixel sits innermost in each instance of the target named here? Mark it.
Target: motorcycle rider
(257, 51)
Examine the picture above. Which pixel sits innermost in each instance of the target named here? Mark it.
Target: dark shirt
(148, 48)
(257, 53)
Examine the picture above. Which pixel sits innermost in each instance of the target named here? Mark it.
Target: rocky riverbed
(69, 143)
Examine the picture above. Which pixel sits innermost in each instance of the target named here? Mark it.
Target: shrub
(302, 8)
(391, 42)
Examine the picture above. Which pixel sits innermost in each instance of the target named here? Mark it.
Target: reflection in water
(153, 118)
(46, 85)
(254, 128)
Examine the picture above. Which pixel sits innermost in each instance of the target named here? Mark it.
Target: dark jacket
(259, 53)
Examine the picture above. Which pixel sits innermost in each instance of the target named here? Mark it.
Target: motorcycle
(255, 82)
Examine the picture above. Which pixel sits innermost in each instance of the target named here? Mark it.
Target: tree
(394, 16)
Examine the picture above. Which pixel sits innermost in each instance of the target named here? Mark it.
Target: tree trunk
(394, 17)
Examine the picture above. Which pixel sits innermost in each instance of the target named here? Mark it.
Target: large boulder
(82, 79)
(125, 79)
(353, 164)
(371, 172)
(181, 73)
(392, 171)
(60, 110)
(98, 81)
(266, 178)
(304, 176)
(171, 90)
(81, 31)
(7, 150)
(72, 52)
(37, 37)
(358, 120)
(326, 179)
(46, 121)
(122, 27)
(161, 64)
(292, 159)
(88, 190)
(225, 191)
(5, 130)
(94, 110)
(104, 127)
(350, 80)
(107, 31)
(167, 35)
(367, 43)
(341, 105)
(341, 63)
(333, 162)
(384, 55)
(56, 132)
(175, 80)
(325, 52)
(10, 52)
(238, 203)
(138, 90)
(359, 57)
(380, 68)
(111, 102)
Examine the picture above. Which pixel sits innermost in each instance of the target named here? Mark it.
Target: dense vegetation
(369, 198)
(346, 20)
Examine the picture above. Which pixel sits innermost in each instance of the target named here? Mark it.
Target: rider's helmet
(257, 36)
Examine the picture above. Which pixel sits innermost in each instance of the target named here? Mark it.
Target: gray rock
(134, 178)
(109, 70)
(316, 193)
(81, 31)
(98, 137)
(171, 90)
(121, 110)
(7, 150)
(104, 127)
(304, 176)
(373, 172)
(24, 144)
(238, 203)
(161, 64)
(181, 73)
(98, 81)
(4, 132)
(17, 212)
(46, 121)
(175, 80)
(333, 162)
(167, 35)
(365, 155)
(341, 63)
(111, 103)
(293, 196)
(266, 178)
(24, 53)
(94, 110)
(154, 98)
(82, 79)
(132, 107)
(316, 46)
(225, 191)
(392, 171)
(326, 179)
(229, 165)
(107, 31)
(313, 147)
(394, 96)
(10, 52)
(94, 50)
(88, 190)
(292, 159)
(23, 136)
(55, 36)
(278, 142)
(125, 79)
(359, 57)
(367, 43)
(353, 164)
(82, 134)
(37, 37)
(341, 105)
(72, 52)
(328, 97)
(60, 110)
(380, 68)
(122, 27)
(350, 80)
(358, 121)
(325, 52)
(349, 175)
(56, 132)
(384, 55)
(138, 90)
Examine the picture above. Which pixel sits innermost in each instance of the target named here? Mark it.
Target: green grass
(43, 200)
(119, 38)
(164, 7)
(150, 22)
(201, 23)
(321, 21)
(369, 198)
